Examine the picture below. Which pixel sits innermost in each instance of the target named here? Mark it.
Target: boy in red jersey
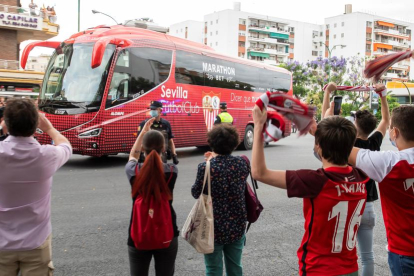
(394, 172)
(333, 197)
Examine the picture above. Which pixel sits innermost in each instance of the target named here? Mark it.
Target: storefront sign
(21, 21)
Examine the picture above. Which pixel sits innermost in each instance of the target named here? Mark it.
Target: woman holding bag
(228, 183)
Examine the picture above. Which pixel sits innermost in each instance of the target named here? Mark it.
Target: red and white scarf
(290, 108)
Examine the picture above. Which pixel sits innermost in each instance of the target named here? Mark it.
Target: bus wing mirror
(100, 46)
(30, 46)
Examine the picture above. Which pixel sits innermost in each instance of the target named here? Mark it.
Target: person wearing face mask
(164, 127)
(333, 196)
(394, 172)
(366, 123)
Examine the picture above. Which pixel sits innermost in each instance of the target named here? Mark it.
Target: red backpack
(151, 226)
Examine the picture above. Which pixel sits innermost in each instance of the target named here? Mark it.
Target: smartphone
(338, 102)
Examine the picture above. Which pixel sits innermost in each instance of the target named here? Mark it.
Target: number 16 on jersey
(340, 212)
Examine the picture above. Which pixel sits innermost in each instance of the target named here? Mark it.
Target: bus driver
(164, 127)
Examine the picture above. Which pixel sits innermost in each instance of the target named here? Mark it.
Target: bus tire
(247, 143)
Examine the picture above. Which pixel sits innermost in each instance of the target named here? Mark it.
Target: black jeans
(139, 260)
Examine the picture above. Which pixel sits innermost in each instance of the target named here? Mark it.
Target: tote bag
(198, 229)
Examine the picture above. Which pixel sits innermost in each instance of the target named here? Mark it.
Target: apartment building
(371, 36)
(266, 39)
(190, 29)
(274, 40)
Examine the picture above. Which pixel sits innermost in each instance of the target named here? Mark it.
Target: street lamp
(409, 94)
(333, 47)
(95, 12)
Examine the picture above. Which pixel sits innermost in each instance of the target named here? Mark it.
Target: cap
(155, 105)
(223, 105)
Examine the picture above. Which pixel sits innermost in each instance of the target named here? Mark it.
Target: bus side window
(137, 71)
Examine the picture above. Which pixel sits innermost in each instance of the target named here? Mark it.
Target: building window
(334, 36)
(181, 30)
(211, 44)
(343, 24)
(291, 29)
(320, 53)
(211, 22)
(211, 33)
(216, 21)
(216, 32)
(242, 21)
(342, 35)
(368, 47)
(216, 43)
(315, 34)
(369, 24)
(335, 25)
(176, 31)
(320, 34)
(315, 53)
(327, 26)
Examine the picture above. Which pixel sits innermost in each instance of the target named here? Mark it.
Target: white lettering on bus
(226, 70)
(178, 92)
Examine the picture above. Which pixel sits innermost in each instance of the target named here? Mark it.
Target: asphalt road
(91, 207)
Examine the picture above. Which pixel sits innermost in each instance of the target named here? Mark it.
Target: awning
(276, 35)
(255, 54)
(386, 24)
(258, 31)
(382, 45)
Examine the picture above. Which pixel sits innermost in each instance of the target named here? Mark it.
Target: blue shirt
(228, 183)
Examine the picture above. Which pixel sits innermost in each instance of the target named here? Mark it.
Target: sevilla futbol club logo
(211, 104)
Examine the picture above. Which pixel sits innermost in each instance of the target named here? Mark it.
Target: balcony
(36, 24)
(391, 33)
(269, 40)
(9, 64)
(268, 29)
(276, 52)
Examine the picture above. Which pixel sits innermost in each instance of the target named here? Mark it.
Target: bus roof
(134, 35)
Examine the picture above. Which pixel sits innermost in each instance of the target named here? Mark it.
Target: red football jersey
(394, 171)
(333, 203)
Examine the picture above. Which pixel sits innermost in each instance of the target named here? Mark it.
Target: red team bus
(99, 83)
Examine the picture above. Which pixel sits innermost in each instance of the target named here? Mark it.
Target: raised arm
(385, 111)
(259, 169)
(136, 148)
(331, 87)
(46, 126)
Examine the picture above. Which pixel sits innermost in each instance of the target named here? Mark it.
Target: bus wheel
(248, 138)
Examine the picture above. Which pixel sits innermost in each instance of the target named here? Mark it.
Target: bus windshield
(70, 82)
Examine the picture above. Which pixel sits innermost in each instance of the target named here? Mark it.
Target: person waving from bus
(224, 116)
(164, 127)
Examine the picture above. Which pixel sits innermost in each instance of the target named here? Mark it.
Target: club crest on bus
(211, 104)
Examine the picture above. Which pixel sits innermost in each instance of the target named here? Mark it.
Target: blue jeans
(365, 239)
(401, 265)
(232, 258)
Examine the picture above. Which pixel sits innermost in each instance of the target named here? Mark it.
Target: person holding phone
(369, 136)
(164, 127)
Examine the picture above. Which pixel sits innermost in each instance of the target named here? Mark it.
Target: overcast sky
(167, 12)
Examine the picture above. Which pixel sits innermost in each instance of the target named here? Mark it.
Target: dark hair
(223, 139)
(336, 137)
(365, 122)
(150, 182)
(1, 112)
(21, 117)
(401, 119)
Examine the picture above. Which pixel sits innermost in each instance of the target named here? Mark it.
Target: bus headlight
(91, 133)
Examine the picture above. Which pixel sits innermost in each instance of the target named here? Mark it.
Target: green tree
(300, 77)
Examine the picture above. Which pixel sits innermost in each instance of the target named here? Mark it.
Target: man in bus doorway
(224, 116)
(164, 127)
